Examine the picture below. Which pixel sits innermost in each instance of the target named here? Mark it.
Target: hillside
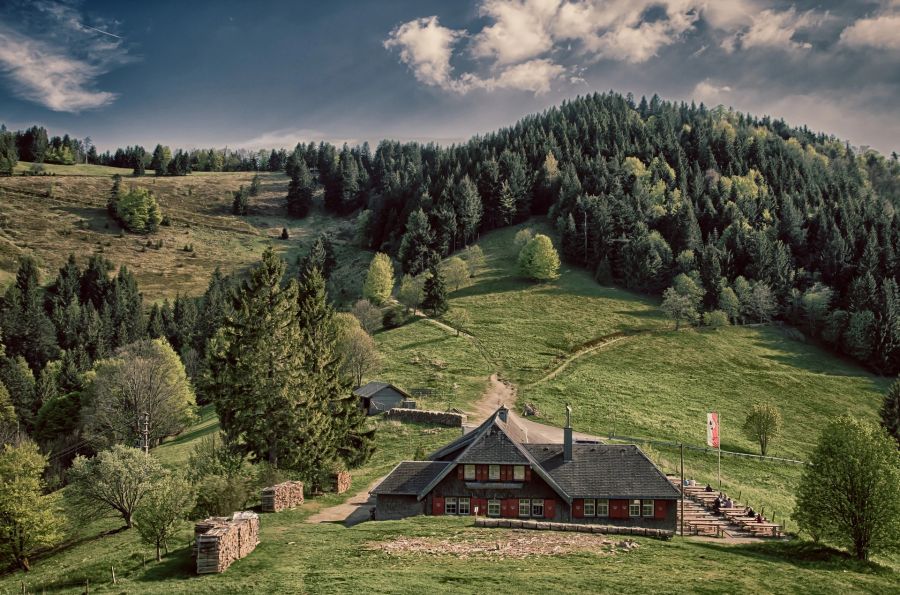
(659, 384)
(50, 217)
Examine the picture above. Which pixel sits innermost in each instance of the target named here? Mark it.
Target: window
(634, 508)
(493, 471)
(450, 506)
(463, 506)
(537, 508)
(519, 473)
(469, 471)
(648, 507)
(493, 507)
(602, 507)
(589, 509)
(524, 507)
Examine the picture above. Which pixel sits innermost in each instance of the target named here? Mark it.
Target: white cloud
(426, 47)
(773, 29)
(534, 76)
(46, 75)
(882, 31)
(520, 30)
(710, 94)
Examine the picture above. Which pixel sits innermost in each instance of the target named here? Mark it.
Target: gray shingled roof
(410, 477)
(603, 471)
(367, 390)
(493, 446)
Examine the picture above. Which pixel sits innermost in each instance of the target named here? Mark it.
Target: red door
(509, 508)
(480, 504)
(549, 509)
(437, 505)
(618, 509)
(660, 508)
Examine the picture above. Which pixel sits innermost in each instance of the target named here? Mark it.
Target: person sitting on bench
(708, 488)
(759, 518)
(749, 512)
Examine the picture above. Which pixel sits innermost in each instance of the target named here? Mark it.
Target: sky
(260, 74)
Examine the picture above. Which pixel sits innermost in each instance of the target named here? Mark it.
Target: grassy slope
(50, 217)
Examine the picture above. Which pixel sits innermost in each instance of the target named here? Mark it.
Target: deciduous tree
(539, 260)
(379, 279)
(762, 424)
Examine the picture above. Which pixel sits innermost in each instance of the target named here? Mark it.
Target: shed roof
(367, 390)
(410, 477)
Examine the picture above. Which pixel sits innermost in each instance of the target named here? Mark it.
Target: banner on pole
(712, 429)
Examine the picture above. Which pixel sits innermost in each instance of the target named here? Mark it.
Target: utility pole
(145, 432)
(682, 489)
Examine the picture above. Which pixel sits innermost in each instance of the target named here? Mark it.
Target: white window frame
(464, 507)
(524, 507)
(602, 507)
(519, 472)
(645, 504)
(466, 472)
(537, 508)
(493, 508)
(448, 503)
(632, 504)
(494, 476)
(590, 507)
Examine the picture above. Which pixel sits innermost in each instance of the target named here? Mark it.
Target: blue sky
(194, 74)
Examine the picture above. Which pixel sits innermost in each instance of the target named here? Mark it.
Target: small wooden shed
(378, 397)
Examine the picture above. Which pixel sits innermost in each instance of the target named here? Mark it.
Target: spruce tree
(890, 411)
(300, 191)
(256, 368)
(435, 294)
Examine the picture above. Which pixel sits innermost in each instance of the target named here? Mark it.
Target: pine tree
(468, 208)
(241, 203)
(890, 411)
(300, 191)
(256, 368)
(416, 248)
(435, 294)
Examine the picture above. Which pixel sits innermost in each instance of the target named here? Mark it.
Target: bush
(392, 318)
(715, 319)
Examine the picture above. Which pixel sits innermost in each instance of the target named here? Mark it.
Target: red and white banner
(712, 429)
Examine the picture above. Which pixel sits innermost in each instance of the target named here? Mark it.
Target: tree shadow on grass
(177, 564)
(799, 553)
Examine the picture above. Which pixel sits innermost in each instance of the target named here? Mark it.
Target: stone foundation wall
(573, 527)
(441, 418)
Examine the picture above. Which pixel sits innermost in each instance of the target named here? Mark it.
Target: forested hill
(768, 220)
(764, 220)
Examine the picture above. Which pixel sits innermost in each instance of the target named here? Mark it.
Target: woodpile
(282, 496)
(342, 481)
(219, 541)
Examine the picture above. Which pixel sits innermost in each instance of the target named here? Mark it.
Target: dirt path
(577, 355)
(501, 392)
(354, 510)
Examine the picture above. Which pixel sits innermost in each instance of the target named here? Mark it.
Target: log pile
(342, 481)
(282, 496)
(219, 541)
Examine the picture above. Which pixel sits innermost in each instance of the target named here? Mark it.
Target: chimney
(567, 436)
(502, 413)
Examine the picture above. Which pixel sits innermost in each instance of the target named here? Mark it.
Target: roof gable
(410, 477)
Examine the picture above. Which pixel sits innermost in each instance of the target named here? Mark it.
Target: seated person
(708, 488)
(717, 505)
(750, 512)
(759, 518)
(729, 503)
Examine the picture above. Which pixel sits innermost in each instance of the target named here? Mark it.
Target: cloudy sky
(266, 73)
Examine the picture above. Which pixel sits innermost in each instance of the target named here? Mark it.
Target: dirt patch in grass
(508, 544)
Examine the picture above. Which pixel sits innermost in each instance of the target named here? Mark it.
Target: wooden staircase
(699, 520)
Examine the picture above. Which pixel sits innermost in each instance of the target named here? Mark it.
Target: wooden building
(494, 471)
(378, 397)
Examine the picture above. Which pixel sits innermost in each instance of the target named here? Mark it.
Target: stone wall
(392, 508)
(441, 418)
(573, 527)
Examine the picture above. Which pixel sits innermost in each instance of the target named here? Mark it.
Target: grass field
(297, 557)
(50, 217)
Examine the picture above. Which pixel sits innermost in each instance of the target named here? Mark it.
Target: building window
(450, 506)
(634, 508)
(519, 472)
(589, 509)
(493, 507)
(493, 471)
(648, 507)
(524, 507)
(463, 506)
(537, 508)
(602, 507)
(469, 471)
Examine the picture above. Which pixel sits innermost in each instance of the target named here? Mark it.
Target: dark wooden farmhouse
(378, 397)
(494, 471)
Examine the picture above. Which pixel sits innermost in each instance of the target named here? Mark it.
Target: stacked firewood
(219, 541)
(282, 496)
(342, 481)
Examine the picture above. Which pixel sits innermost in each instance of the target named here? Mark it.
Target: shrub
(392, 318)
(715, 319)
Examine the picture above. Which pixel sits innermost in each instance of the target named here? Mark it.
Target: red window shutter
(480, 472)
(660, 509)
(437, 505)
(460, 471)
(578, 509)
(504, 472)
(527, 473)
(509, 507)
(549, 509)
(618, 509)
